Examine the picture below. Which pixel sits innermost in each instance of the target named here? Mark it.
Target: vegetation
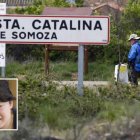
(60, 70)
(104, 112)
(62, 108)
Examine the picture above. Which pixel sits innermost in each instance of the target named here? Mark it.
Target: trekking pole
(124, 56)
(119, 60)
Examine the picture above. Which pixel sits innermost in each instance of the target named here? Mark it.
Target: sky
(73, 1)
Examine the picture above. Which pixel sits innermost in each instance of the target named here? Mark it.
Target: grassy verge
(60, 70)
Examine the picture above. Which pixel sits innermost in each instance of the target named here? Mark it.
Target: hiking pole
(119, 60)
(124, 56)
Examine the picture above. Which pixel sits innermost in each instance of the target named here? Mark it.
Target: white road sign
(54, 29)
(2, 54)
(2, 8)
(2, 45)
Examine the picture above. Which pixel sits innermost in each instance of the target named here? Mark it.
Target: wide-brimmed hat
(133, 36)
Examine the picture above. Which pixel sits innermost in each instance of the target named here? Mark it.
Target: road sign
(3, 45)
(2, 8)
(2, 55)
(54, 29)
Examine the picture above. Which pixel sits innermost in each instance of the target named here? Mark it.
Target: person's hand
(131, 64)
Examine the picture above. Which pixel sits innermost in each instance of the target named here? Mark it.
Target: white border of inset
(16, 102)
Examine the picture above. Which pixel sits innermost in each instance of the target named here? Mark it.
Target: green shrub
(120, 92)
(34, 93)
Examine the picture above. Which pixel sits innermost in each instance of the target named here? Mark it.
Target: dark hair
(5, 93)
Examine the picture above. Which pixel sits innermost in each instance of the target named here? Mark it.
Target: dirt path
(85, 83)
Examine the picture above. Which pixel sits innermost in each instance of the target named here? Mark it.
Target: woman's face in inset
(5, 115)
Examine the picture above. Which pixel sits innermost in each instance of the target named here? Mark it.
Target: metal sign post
(3, 45)
(80, 69)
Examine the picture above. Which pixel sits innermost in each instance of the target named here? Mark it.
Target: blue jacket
(134, 55)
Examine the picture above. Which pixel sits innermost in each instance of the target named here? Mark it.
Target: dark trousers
(133, 76)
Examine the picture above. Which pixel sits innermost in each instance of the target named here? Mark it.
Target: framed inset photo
(9, 104)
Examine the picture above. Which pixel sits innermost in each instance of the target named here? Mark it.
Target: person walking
(134, 59)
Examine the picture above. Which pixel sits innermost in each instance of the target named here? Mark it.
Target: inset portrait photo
(8, 104)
